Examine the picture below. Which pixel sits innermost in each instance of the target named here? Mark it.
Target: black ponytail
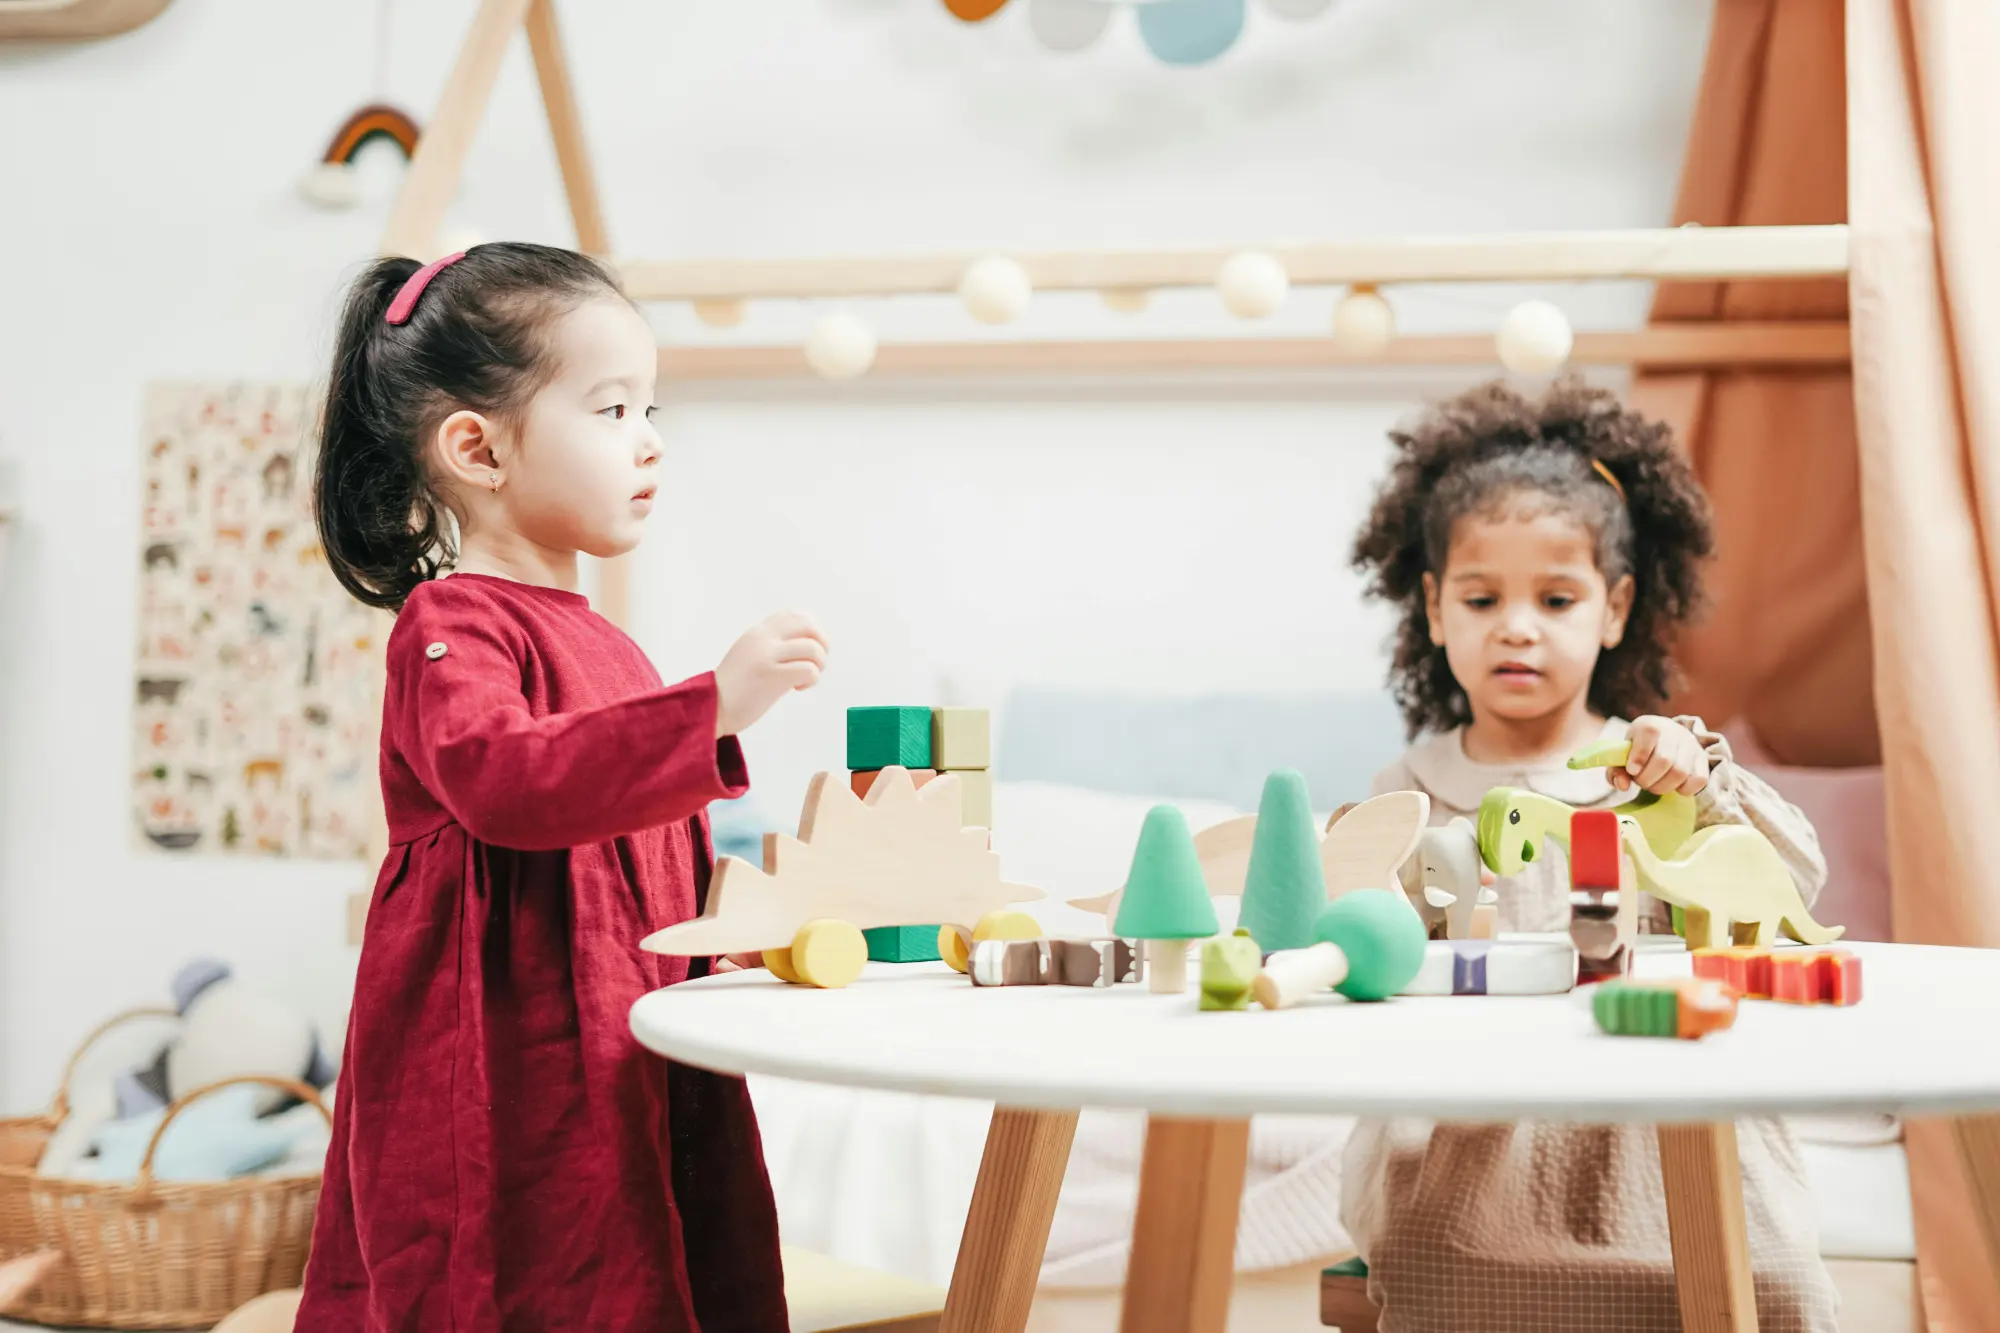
(477, 340)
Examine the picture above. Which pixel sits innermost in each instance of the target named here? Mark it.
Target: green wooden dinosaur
(1726, 876)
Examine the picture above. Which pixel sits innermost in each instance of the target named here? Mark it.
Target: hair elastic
(1598, 467)
(405, 303)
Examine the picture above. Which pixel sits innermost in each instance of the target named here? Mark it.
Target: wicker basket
(148, 1254)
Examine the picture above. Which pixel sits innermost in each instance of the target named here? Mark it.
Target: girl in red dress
(505, 1156)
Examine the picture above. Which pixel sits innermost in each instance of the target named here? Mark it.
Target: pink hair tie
(405, 303)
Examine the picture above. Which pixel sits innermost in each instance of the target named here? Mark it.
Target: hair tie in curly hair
(405, 303)
(1598, 467)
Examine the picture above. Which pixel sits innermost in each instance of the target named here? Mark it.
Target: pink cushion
(1845, 806)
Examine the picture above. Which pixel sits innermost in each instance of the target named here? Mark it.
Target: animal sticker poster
(255, 716)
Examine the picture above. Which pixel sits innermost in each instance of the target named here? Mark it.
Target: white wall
(955, 538)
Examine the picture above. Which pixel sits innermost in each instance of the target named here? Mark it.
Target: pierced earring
(493, 480)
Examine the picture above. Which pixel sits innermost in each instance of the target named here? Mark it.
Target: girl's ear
(466, 450)
(1617, 609)
(1434, 610)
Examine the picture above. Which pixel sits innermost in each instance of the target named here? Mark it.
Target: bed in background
(884, 1179)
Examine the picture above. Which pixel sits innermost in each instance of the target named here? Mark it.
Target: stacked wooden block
(926, 741)
(1790, 976)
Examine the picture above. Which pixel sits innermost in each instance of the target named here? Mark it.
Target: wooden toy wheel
(828, 954)
(955, 942)
(779, 963)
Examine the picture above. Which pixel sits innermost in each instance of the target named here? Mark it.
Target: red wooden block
(1795, 978)
(1746, 971)
(1593, 849)
(1839, 977)
(861, 779)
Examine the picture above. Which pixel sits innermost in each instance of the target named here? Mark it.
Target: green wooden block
(1354, 1267)
(1637, 1011)
(902, 944)
(888, 737)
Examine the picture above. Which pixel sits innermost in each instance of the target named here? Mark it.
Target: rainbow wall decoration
(332, 183)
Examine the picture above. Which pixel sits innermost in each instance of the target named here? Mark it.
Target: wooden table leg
(1007, 1229)
(1184, 1237)
(1979, 1153)
(1704, 1182)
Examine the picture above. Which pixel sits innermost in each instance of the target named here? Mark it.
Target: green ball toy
(1383, 938)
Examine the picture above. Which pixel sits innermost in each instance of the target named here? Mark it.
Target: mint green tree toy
(1166, 901)
(1284, 889)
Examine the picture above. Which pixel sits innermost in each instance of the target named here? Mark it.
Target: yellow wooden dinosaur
(1726, 878)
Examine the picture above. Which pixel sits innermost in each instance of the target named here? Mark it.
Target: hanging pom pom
(1252, 284)
(331, 185)
(1068, 25)
(995, 289)
(840, 347)
(1363, 323)
(1534, 338)
(1190, 32)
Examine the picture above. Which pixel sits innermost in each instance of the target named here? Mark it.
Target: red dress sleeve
(530, 783)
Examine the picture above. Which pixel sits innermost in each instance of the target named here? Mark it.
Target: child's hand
(785, 653)
(738, 962)
(1666, 757)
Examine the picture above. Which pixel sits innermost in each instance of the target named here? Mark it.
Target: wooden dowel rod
(566, 128)
(439, 160)
(1692, 345)
(1685, 253)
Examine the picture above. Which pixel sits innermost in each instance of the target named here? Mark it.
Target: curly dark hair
(1490, 447)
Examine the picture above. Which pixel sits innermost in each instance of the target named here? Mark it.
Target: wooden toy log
(1290, 976)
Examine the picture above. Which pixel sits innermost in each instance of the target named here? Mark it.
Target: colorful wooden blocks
(961, 739)
(1801, 976)
(902, 944)
(1686, 1009)
(1604, 907)
(927, 741)
(888, 737)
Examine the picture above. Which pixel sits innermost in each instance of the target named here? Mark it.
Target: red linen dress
(505, 1155)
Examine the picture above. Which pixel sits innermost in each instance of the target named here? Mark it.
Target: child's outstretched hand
(785, 653)
(1666, 757)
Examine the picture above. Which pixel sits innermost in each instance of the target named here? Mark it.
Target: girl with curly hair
(1542, 553)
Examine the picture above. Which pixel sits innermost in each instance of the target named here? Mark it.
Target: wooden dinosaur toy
(1727, 876)
(1666, 817)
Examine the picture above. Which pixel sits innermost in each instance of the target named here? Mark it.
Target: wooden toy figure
(1166, 899)
(1284, 888)
(1686, 1009)
(1228, 967)
(1603, 931)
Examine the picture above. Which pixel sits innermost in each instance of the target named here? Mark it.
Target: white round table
(1919, 1042)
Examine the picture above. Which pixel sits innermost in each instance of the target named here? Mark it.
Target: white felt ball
(719, 313)
(229, 1030)
(1363, 324)
(1534, 339)
(995, 289)
(332, 185)
(1252, 284)
(1068, 25)
(840, 347)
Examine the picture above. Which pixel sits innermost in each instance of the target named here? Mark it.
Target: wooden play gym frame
(1021, 1172)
